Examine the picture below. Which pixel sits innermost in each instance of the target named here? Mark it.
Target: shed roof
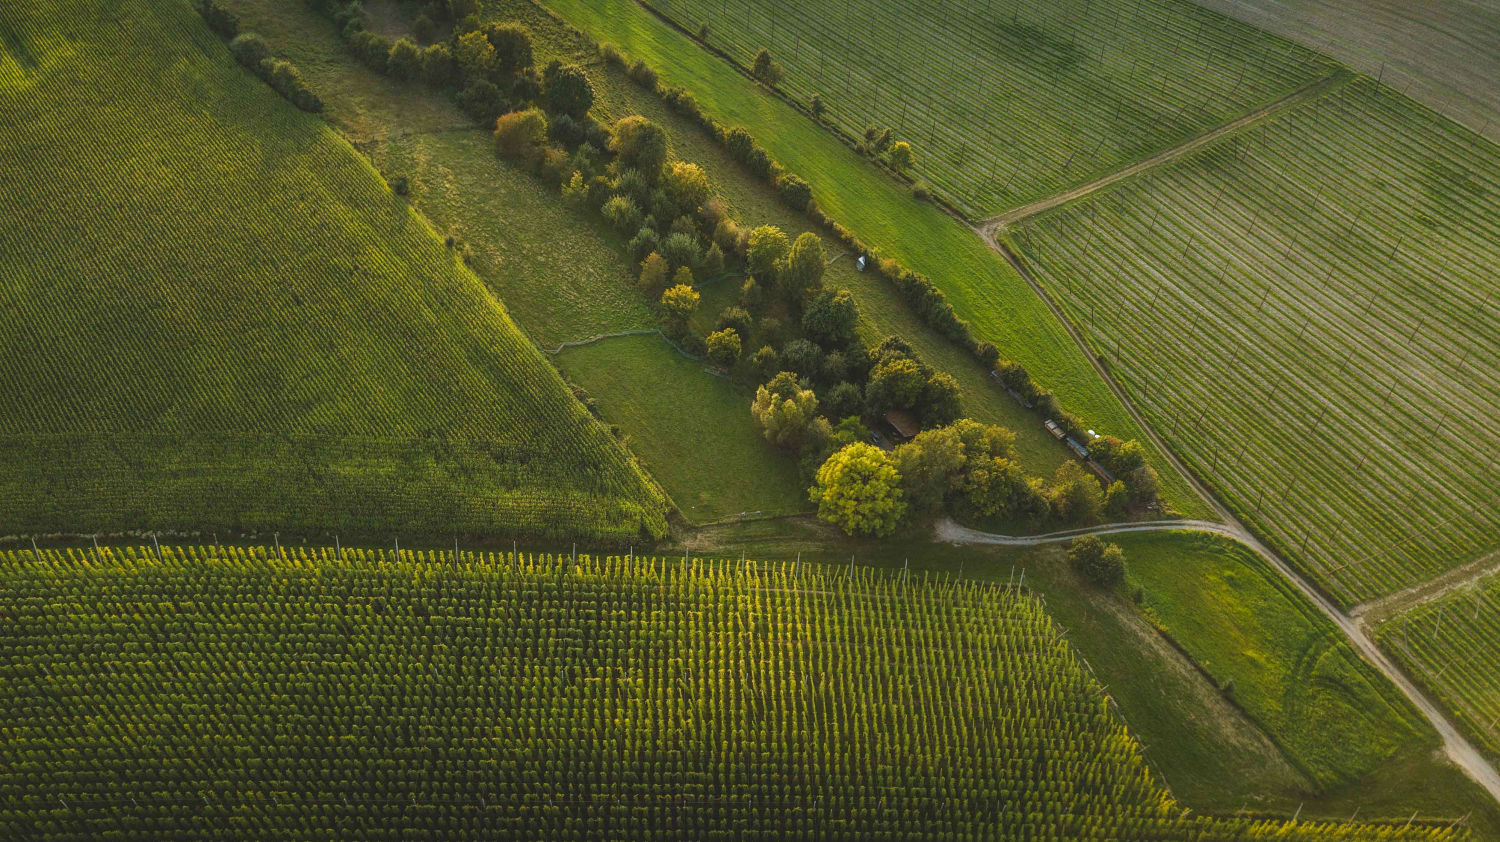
(903, 422)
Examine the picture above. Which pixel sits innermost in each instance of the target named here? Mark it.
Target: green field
(692, 430)
(1027, 99)
(981, 286)
(313, 693)
(1287, 665)
(1449, 646)
(216, 316)
(1327, 281)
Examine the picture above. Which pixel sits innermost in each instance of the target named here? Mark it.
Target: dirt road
(1288, 102)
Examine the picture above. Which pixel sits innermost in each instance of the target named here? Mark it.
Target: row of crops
(1449, 646)
(232, 693)
(1327, 283)
(214, 314)
(1007, 101)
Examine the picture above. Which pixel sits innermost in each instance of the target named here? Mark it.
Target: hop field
(1448, 645)
(251, 694)
(1007, 101)
(214, 315)
(1327, 282)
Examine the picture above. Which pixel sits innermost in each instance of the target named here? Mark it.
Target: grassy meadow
(1027, 99)
(982, 287)
(217, 316)
(1449, 646)
(690, 427)
(1327, 280)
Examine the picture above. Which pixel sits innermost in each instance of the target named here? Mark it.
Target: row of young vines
(233, 693)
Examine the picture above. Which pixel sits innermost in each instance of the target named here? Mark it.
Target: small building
(1078, 450)
(903, 424)
(1054, 429)
(1102, 473)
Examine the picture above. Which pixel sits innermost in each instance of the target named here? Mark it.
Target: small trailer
(1055, 430)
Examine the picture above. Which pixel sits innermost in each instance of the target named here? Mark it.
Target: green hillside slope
(214, 314)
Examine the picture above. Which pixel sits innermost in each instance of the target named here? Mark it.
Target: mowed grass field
(1449, 645)
(215, 315)
(982, 287)
(1334, 716)
(692, 428)
(1327, 284)
(1011, 101)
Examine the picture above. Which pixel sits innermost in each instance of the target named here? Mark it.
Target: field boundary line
(1390, 605)
(1455, 745)
(1291, 101)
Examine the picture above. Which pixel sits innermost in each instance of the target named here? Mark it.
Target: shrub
(796, 193)
(423, 29)
(475, 55)
(817, 107)
(372, 49)
(765, 362)
(521, 134)
(734, 318)
(223, 22)
(481, 100)
(1102, 564)
(611, 54)
(723, 347)
(250, 50)
(643, 75)
(400, 185)
(287, 81)
(802, 272)
(713, 261)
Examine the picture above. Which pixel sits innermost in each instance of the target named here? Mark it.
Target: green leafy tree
(765, 249)
(723, 347)
(521, 134)
(766, 69)
(941, 401)
(1075, 494)
(677, 305)
(895, 383)
(475, 55)
(803, 273)
(900, 157)
(404, 60)
(830, 319)
(566, 90)
(686, 185)
(982, 441)
(783, 410)
(859, 490)
(653, 280)
(512, 46)
(1100, 563)
(622, 213)
(931, 467)
(641, 144)
(1116, 499)
(817, 106)
(998, 488)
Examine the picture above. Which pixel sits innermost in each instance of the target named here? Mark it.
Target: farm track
(1290, 101)
(1456, 746)
(1369, 613)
